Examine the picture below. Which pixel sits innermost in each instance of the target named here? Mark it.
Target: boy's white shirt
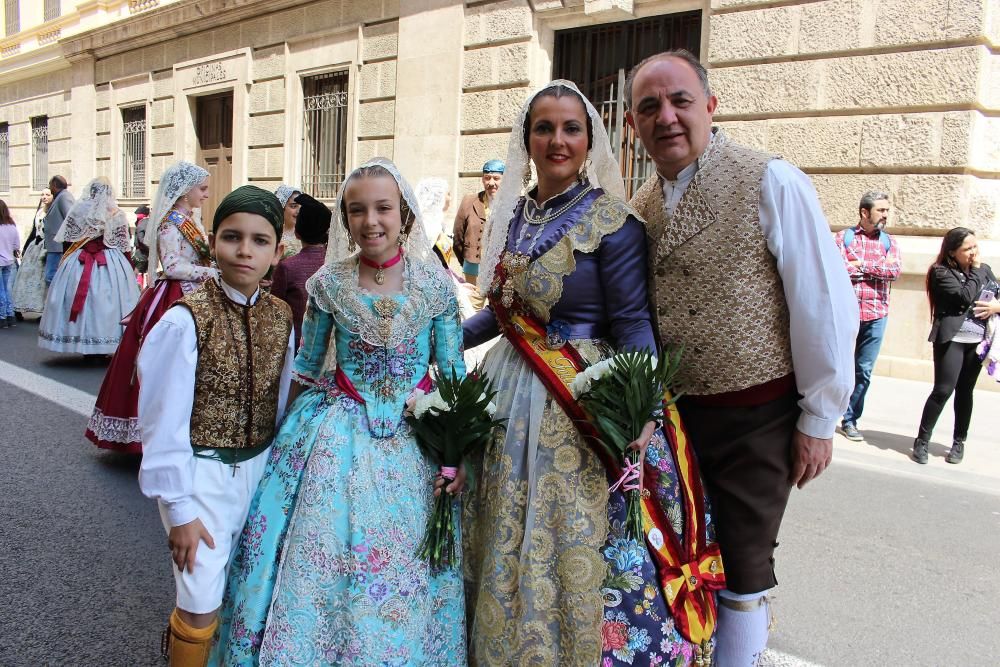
(169, 358)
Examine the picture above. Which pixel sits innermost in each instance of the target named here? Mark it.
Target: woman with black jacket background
(956, 281)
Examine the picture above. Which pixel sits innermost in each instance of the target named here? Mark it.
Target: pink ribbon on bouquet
(629, 481)
(448, 472)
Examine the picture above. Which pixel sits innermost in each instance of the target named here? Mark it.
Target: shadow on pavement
(899, 443)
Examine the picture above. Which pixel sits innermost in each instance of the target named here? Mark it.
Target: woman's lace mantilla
(426, 291)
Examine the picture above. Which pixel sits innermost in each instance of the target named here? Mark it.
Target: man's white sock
(742, 629)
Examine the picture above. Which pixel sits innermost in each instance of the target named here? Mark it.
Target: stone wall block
(157, 165)
(260, 166)
(21, 175)
(161, 140)
(816, 142)
(893, 80)
(984, 207)
(162, 112)
(103, 145)
(478, 148)
(985, 143)
(766, 33)
(269, 62)
(969, 18)
(497, 21)
(367, 149)
(509, 103)
(380, 41)
(904, 140)
(20, 154)
(752, 133)
(957, 131)
(287, 24)
(387, 78)
(930, 202)
(839, 194)
(376, 118)
(361, 11)
(256, 32)
(513, 64)
(377, 80)
(265, 130)
(479, 110)
(910, 21)
(154, 57)
(163, 86)
(267, 96)
(834, 25)
(59, 127)
(60, 150)
(990, 95)
(770, 88)
(103, 121)
(478, 69)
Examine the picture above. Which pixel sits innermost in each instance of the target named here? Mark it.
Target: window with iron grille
(324, 134)
(12, 16)
(39, 152)
(52, 9)
(598, 58)
(4, 157)
(134, 152)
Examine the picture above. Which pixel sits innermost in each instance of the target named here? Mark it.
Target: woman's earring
(402, 239)
(351, 245)
(526, 179)
(582, 176)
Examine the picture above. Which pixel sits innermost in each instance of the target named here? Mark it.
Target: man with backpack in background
(872, 259)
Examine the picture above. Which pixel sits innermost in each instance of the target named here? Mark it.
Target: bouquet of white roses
(450, 423)
(621, 394)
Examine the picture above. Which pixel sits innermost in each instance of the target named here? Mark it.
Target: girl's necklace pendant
(380, 276)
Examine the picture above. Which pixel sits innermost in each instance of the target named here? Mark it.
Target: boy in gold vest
(214, 376)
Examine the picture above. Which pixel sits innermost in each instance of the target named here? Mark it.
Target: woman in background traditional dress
(180, 244)
(94, 287)
(29, 287)
(287, 195)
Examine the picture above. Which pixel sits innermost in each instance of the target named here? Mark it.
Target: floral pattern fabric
(326, 571)
(181, 261)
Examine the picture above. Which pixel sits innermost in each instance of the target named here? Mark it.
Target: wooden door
(214, 127)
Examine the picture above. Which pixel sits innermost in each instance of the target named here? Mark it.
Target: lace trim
(427, 292)
(114, 429)
(85, 340)
(541, 286)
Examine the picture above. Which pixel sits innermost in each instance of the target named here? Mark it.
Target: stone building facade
(900, 95)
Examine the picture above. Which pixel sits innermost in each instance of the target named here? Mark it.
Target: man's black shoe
(920, 451)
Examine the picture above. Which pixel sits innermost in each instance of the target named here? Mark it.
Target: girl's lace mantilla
(426, 294)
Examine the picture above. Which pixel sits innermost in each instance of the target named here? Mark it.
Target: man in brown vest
(744, 274)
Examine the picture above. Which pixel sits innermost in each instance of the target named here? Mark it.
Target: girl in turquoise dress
(326, 571)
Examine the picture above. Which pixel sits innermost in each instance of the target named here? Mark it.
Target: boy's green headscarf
(251, 199)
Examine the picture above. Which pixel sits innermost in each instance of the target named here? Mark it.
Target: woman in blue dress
(326, 571)
(551, 576)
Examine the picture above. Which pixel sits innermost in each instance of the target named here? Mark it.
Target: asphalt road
(875, 568)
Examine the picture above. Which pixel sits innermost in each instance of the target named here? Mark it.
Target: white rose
(491, 408)
(580, 385)
(428, 401)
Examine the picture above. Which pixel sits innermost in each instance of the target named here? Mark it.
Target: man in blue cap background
(470, 225)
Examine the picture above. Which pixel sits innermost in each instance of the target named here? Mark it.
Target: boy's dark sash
(689, 572)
